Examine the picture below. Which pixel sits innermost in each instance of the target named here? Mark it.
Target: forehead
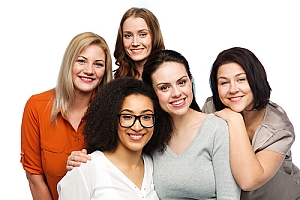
(137, 102)
(168, 72)
(134, 24)
(230, 69)
(93, 51)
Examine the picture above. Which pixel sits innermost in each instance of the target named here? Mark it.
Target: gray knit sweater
(202, 170)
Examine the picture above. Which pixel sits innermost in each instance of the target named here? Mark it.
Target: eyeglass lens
(127, 120)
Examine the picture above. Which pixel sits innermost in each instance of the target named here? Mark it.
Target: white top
(101, 179)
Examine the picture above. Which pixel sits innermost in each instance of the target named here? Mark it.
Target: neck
(252, 120)
(124, 157)
(183, 121)
(140, 66)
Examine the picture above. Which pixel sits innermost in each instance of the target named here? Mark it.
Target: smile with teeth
(136, 50)
(235, 98)
(178, 102)
(86, 79)
(136, 137)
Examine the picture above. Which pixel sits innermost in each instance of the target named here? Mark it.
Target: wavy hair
(126, 66)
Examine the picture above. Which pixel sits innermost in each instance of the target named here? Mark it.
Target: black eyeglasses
(128, 120)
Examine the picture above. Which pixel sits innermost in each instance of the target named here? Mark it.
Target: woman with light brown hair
(139, 35)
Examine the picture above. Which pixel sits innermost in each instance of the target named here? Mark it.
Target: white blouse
(101, 179)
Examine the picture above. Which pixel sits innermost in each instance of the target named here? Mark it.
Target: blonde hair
(64, 91)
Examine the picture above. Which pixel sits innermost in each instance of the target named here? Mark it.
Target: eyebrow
(131, 111)
(185, 76)
(222, 77)
(87, 58)
(138, 31)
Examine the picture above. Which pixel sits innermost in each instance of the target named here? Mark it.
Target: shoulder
(215, 128)
(215, 122)
(208, 106)
(276, 118)
(44, 96)
(276, 132)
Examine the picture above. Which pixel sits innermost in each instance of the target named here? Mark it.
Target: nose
(176, 92)
(137, 125)
(88, 69)
(135, 41)
(233, 88)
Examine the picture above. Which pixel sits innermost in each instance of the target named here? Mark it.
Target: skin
(127, 156)
(175, 95)
(88, 70)
(137, 40)
(170, 90)
(87, 73)
(250, 170)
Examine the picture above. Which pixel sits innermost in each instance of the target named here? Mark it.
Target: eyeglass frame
(139, 118)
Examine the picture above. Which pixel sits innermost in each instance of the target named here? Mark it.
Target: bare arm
(76, 158)
(250, 170)
(38, 187)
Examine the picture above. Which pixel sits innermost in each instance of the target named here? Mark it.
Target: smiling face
(89, 69)
(233, 87)
(135, 137)
(174, 90)
(137, 39)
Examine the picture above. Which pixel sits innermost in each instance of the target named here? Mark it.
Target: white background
(34, 35)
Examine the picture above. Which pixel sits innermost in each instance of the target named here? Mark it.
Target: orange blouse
(46, 146)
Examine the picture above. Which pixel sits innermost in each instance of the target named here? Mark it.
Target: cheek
(222, 92)
(100, 72)
(162, 98)
(126, 43)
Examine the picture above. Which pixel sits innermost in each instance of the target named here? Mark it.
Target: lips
(234, 99)
(178, 103)
(86, 79)
(136, 137)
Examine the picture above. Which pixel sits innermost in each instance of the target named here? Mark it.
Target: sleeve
(30, 139)
(73, 186)
(226, 187)
(276, 133)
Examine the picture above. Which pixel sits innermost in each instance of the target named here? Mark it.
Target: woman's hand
(76, 158)
(229, 115)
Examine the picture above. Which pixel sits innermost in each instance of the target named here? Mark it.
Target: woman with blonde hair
(52, 120)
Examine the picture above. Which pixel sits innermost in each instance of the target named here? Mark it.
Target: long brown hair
(125, 63)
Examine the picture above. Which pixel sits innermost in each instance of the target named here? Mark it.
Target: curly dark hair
(101, 120)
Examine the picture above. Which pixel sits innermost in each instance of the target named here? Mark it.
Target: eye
(146, 117)
(143, 34)
(241, 79)
(81, 61)
(224, 82)
(182, 82)
(99, 65)
(127, 35)
(164, 88)
(126, 117)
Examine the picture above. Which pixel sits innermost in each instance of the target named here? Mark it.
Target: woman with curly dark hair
(119, 134)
